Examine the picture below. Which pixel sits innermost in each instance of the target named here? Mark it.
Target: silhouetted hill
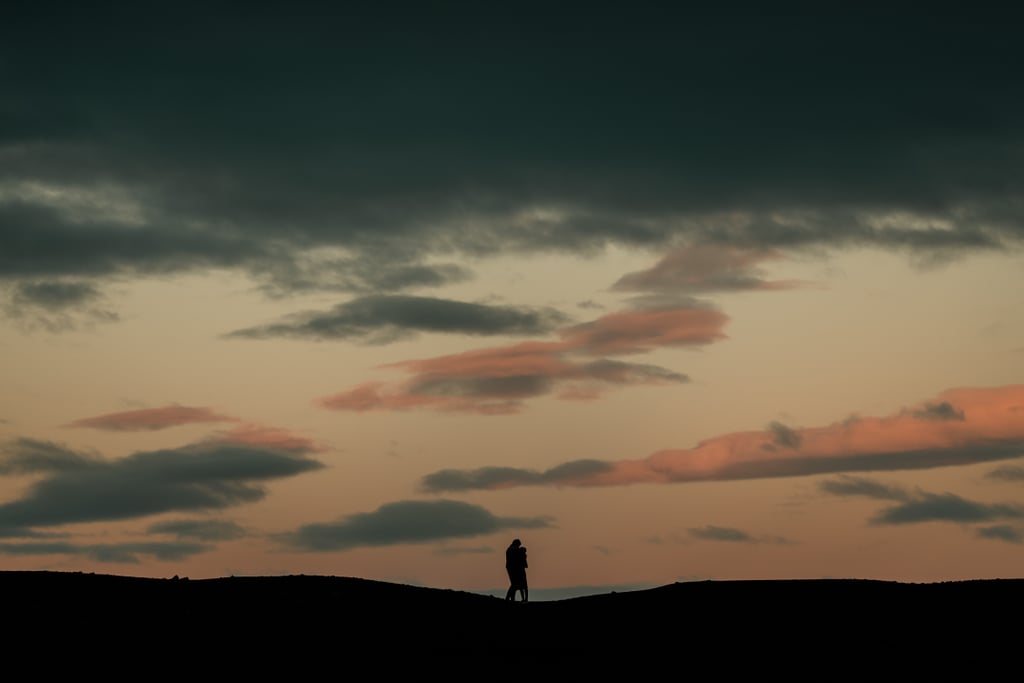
(304, 626)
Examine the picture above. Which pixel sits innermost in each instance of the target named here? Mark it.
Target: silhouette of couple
(515, 565)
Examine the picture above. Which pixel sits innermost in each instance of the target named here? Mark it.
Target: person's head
(516, 542)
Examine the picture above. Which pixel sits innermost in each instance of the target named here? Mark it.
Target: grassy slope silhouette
(303, 625)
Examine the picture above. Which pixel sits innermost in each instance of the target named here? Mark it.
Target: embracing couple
(515, 565)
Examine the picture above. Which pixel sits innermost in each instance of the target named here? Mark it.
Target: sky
(669, 293)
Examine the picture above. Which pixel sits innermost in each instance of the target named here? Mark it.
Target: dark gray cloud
(371, 272)
(54, 295)
(29, 456)
(786, 437)
(501, 477)
(201, 477)
(922, 506)
(406, 522)
(621, 372)
(1002, 532)
(400, 137)
(199, 529)
(1007, 473)
(56, 305)
(717, 533)
(847, 485)
(121, 553)
(383, 319)
(940, 411)
(946, 507)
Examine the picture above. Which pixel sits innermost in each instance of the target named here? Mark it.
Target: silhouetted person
(524, 588)
(515, 565)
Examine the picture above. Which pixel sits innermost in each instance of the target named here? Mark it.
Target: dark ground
(303, 627)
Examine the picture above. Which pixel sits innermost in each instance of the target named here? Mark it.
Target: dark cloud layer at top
(143, 140)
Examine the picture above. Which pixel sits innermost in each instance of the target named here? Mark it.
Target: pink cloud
(526, 358)
(378, 396)
(497, 381)
(250, 434)
(960, 426)
(645, 330)
(151, 419)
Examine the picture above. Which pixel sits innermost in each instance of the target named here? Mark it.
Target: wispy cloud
(700, 269)
(963, 426)
(152, 419)
(56, 305)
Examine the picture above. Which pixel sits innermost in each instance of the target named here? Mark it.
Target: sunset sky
(668, 294)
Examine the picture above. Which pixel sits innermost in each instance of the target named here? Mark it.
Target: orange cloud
(151, 419)
(962, 426)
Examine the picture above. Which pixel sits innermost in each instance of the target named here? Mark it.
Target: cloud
(979, 425)
(499, 380)
(365, 154)
(1002, 532)
(262, 436)
(922, 506)
(31, 456)
(846, 485)
(939, 411)
(151, 419)
(698, 269)
(508, 477)
(193, 478)
(1007, 473)
(384, 319)
(53, 295)
(320, 270)
(199, 529)
(717, 533)
(56, 306)
(405, 522)
(946, 507)
(121, 553)
(785, 437)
